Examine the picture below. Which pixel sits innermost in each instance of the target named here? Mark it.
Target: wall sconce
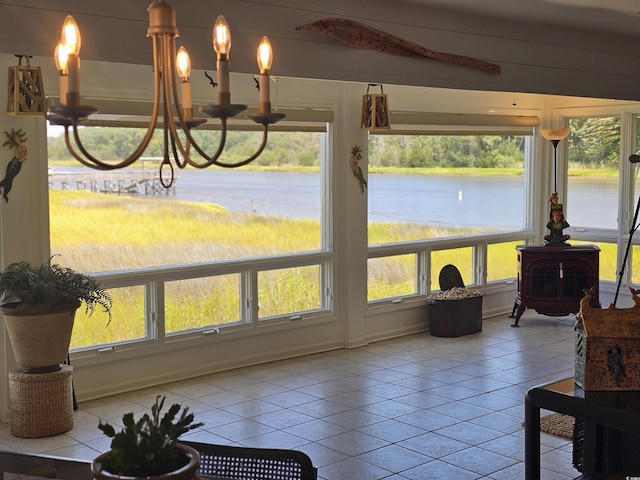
(375, 110)
(26, 90)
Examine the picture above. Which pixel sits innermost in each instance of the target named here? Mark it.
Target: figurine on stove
(556, 224)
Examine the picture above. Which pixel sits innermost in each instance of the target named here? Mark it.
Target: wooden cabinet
(552, 280)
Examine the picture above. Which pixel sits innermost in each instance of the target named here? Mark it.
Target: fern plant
(148, 446)
(47, 287)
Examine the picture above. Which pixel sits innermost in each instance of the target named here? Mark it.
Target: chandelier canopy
(176, 109)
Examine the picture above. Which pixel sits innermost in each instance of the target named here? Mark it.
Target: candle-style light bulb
(265, 55)
(61, 58)
(222, 47)
(265, 58)
(221, 38)
(183, 64)
(71, 36)
(71, 39)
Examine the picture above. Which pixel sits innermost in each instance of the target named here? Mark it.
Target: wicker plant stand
(41, 404)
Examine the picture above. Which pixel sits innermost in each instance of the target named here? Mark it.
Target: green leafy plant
(44, 288)
(148, 446)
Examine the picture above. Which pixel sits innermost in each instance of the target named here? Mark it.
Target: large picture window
(593, 180)
(602, 193)
(124, 219)
(181, 257)
(439, 187)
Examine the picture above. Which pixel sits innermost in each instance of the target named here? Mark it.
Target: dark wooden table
(611, 427)
(16, 466)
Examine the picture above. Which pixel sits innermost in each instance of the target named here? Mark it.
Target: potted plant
(149, 447)
(39, 305)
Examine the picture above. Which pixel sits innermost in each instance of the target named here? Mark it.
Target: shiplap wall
(534, 58)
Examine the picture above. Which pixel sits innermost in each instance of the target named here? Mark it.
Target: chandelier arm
(104, 165)
(170, 57)
(171, 139)
(93, 162)
(177, 144)
(166, 161)
(163, 182)
(170, 86)
(265, 133)
(76, 155)
(160, 41)
(96, 163)
(211, 160)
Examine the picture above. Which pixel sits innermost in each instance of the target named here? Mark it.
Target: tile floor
(417, 407)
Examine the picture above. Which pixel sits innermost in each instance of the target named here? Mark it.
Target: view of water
(434, 200)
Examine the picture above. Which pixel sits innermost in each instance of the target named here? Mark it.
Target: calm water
(434, 200)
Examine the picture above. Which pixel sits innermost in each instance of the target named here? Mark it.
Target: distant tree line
(451, 151)
(116, 143)
(303, 149)
(593, 143)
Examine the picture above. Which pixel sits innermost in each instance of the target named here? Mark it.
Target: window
(436, 189)
(441, 186)
(179, 260)
(607, 258)
(499, 265)
(601, 192)
(202, 302)
(287, 291)
(212, 214)
(392, 276)
(128, 302)
(462, 258)
(633, 265)
(593, 181)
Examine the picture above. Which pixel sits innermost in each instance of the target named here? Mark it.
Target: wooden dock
(122, 182)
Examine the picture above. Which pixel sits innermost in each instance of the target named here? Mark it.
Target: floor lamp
(557, 223)
(634, 226)
(554, 135)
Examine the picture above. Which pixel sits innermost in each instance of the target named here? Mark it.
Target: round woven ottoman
(41, 404)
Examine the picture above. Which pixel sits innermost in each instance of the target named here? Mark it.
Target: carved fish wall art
(354, 34)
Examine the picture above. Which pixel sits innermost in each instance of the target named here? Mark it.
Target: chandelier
(169, 68)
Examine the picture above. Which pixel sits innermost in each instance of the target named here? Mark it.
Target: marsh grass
(96, 232)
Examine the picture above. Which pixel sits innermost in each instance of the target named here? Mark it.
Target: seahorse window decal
(15, 140)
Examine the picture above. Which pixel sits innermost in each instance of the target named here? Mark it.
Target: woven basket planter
(40, 342)
(41, 405)
(187, 472)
